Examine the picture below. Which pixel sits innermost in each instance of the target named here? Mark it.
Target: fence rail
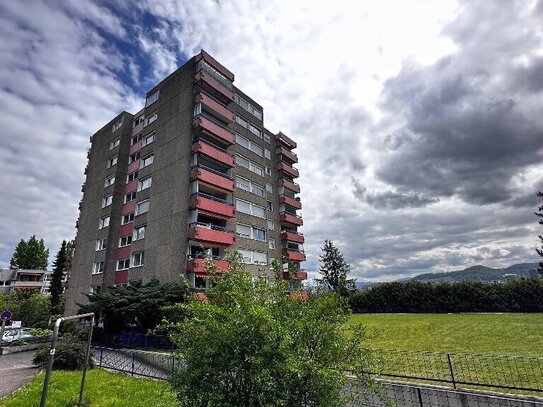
(156, 365)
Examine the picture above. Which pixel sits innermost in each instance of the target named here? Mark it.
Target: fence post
(101, 356)
(420, 397)
(133, 362)
(173, 364)
(451, 370)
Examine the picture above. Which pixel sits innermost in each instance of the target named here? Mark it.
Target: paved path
(16, 369)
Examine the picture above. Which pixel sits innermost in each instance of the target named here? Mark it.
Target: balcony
(199, 265)
(123, 252)
(131, 186)
(287, 153)
(27, 285)
(300, 275)
(213, 83)
(213, 177)
(215, 129)
(293, 172)
(287, 200)
(134, 148)
(121, 277)
(205, 232)
(292, 236)
(128, 207)
(212, 62)
(295, 220)
(212, 151)
(133, 167)
(211, 205)
(286, 140)
(294, 255)
(127, 229)
(137, 129)
(214, 107)
(283, 182)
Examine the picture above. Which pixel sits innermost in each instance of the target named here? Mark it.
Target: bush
(70, 354)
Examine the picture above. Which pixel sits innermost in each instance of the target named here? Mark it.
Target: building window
(268, 171)
(243, 231)
(251, 166)
(103, 222)
(152, 99)
(133, 157)
(135, 139)
(148, 139)
(111, 162)
(145, 183)
(151, 119)
(269, 187)
(142, 207)
(138, 120)
(250, 208)
(267, 154)
(147, 160)
(255, 130)
(129, 217)
(117, 125)
(95, 289)
(267, 139)
(123, 264)
(249, 186)
(270, 206)
(109, 181)
(241, 121)
(249, 107)
(253, 257)
(137, 259)
(139, 233)
(271, 224)
(271, 244)
(98, 267)
(130, 197)
(259, 234)
(197, 110)
(131, 177)
(101, 244)
(107, 200)
(114, 143)
(249, 145)
(125, 241)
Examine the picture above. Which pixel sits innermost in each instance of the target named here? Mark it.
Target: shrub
(70, 354)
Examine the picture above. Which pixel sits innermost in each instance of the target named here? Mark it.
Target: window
(250, 232)
(111, 162)
(117, 125)
(270, 206)
(271, 244)
(138, 120)
(271, 224)
(145, 183)
(197, 110)
(131, 177)
(267, 154)
(98, 267)
(106, 200)
(249, 107)
(253, 257)
(125, 241)
(247, 185)
(242, 161)
(241, 121)
(142, 207)
(101, 244)
(269, 187)
(130, 197)
(152, 99)
(250, 208)
(267, 139)
(258, 190)
(137, 259)
(259, 234)
(242, 141)
(243, 231)
(139, 233)
(257, 169)
(109, 181)
(255, 130)
(247, 256)
(123, 264)
(148, 139)
(202, 64)
(147, 160)
(268, 171)
(133, 157)
(151, 119)
(95, 289)
(127, 218)
(103, 222)
(135, 139)
(114, 143)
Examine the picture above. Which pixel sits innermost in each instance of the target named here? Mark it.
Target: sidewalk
(16, 369)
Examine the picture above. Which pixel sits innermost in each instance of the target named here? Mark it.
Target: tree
(60, 268)
(334, 269)
(248, 343)
(28, 306)
(539, 250)
(30, 255)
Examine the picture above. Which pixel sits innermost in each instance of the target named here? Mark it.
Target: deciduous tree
(30, 254)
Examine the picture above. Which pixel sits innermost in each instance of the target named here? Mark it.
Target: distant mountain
(480, 273)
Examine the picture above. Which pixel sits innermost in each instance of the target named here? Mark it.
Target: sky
(419, 123)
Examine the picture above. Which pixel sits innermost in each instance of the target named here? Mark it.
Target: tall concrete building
(193, 174)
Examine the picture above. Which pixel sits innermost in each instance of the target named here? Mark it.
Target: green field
(102, 389)
(496, 334)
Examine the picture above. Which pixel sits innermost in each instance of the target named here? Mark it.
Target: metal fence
(514, 373)
(156, 365)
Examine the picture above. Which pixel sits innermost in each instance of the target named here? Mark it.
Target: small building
(20, 279)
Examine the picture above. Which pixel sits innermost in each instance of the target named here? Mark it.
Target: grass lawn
(497, 334)
(102, 389)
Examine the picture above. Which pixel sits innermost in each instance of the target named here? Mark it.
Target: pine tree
(30, 255)
(60, 268)
(539, 250)
(334, 269)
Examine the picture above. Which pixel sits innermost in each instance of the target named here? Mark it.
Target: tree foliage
(30, 254)
(28, 306)
(539, 250)
(136, 305)
(334, 269)
(60, 268)
(519, 295)
(248, 343)
(70, 354)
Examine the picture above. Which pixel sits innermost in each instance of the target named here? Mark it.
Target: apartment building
(192, 175)
(22, 279)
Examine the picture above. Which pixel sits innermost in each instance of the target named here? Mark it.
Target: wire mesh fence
(514, 373)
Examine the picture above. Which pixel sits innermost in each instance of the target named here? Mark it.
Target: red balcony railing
(135, 147)
(290, 218)
(210, 176)
(287, 200)
(285, 139)
(283, 182)
(287, 153)
(215, 107)
(211, 204)
(133, 167)
(292, 236)
(137, 129)
(199, 265)
(293, 172)
(294, 255)
(213, 151)
(300, 275)
(121, 277)
(213, 128)
(215, 64)
(211, 233)
(214, 84)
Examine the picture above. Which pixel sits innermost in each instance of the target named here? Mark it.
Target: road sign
(5, 315)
